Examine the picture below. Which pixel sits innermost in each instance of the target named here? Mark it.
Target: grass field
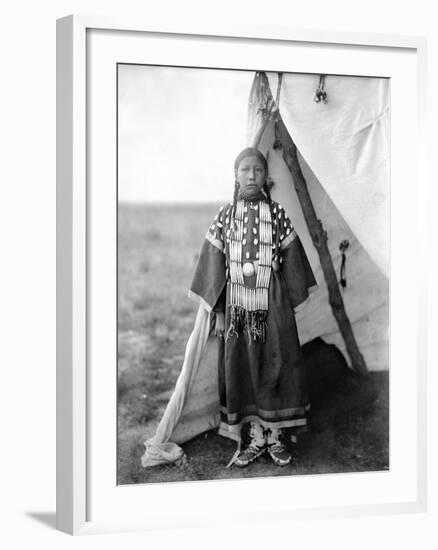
(157, 250)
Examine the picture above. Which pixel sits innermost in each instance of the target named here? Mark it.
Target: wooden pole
(319, 238)
(268, 113)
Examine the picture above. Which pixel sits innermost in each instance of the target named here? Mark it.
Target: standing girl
(253, 272)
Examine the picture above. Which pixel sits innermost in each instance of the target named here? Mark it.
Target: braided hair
(253, 152)
(248, 152)
(233, 209)
(274, 219)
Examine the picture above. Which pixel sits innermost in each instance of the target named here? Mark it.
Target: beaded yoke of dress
(248, 242)
(249, 263)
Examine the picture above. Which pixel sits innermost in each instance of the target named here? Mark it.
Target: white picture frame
(76, 210)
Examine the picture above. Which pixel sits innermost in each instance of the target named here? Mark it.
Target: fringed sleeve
(295, 267)
(209, 278)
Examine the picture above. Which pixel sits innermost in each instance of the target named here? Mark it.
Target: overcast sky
(179, 132)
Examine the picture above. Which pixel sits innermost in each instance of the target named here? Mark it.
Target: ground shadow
(46, 518)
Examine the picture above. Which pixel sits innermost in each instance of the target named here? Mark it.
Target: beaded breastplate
(249, 263)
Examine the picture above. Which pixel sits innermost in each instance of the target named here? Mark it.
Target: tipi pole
(319, 239)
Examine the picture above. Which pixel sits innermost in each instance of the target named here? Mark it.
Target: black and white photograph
(219, 298)
(253, 269)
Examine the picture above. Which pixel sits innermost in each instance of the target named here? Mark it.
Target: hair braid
(233, 210)
(274, 219)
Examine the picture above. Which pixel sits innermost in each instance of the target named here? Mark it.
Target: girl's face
(251, 175)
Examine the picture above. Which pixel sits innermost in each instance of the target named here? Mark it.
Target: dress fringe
(251, 322)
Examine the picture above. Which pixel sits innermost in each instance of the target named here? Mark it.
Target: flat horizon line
(169, 203)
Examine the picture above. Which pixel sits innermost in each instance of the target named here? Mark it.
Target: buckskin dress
(261, 372)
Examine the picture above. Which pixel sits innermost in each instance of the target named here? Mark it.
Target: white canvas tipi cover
(346, 144)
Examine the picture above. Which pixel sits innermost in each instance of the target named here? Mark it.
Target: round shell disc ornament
(248, 269)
